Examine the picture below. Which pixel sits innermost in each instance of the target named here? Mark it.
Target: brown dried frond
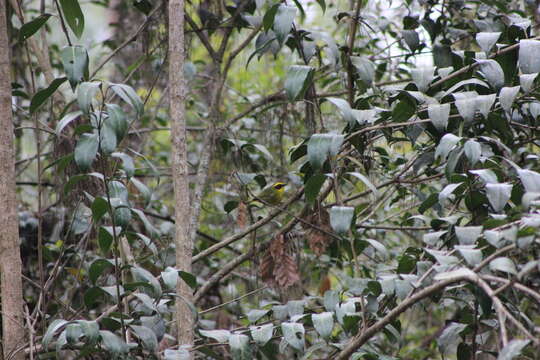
(286, 272)
(318, 235)
(241, 215)
(266, 268)
(277, 247)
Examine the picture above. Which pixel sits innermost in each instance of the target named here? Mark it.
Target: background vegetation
(407, 133)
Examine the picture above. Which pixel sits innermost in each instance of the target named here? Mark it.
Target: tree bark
(10, 258)
(184, 246)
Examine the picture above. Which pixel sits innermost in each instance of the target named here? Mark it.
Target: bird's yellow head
(279, 187)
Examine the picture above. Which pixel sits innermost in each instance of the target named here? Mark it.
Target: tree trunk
(177, 93)
(10, 257)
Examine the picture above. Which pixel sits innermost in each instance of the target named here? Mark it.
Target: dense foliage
(406, 131)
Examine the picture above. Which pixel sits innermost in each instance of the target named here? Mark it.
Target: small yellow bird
(271, 195)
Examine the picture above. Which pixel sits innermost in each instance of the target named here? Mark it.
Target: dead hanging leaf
(277, 247)
(241, 215)
(266, 269)
(286, 272)
(318, 235)
(324, 285)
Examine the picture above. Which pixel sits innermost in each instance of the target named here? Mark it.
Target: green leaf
(30, 28)
(97, 268)
(99, 208)
(73, 15)
(283, 21)
(190, 279)
(240, 348)
(143, 275)
(51, 330)
(411, 39)
(105, 238)
(293, 333)
(431, 200)
(341, 218)
(147, 337)
(86, 151)
(129, 95)
(86, 92)
(313, 187)
(75, 63)
(143, 6)
(298, 79)
(320, 146)
(262, 334)
(42, 95)
(269, 16)
(117, 120)
(366, 182)
(323, 323)
(68, 118)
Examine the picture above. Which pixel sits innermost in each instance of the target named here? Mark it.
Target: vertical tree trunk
(177, 93)
(10, 257)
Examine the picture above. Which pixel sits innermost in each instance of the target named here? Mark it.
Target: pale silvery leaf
(341, 218)
(472, 256)
(526, 81)
(280, 312)
(529, 61)
(454, 274)
(487, 175)
(261, 334)
(345, 309)
(467, 235)
(444, 72)
(323, 323)
(255, 314)
(493, 237)
(450, 336)
(218, 335)
(466, 108)
(446, 144)
(422, 77)
(493, 73)
(240, 348)
(295, 307)
(439, 115)
(534, 109)
(293, 334)
(344, 108)
(530, 180)
(403, 288)
(447, 193)
(498, 195)
(484, 104)
(442, 258)
(320, 146)
(364, 116)
(510, 233)
(365, 68)
(473, 151)
(486, 40)
(379, 247)
(503, 264)
(507, 97)
(465, 95)
(432, 238)
(331, 300)
(512, 349)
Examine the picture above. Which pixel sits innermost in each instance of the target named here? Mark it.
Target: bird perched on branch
(270, 195)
